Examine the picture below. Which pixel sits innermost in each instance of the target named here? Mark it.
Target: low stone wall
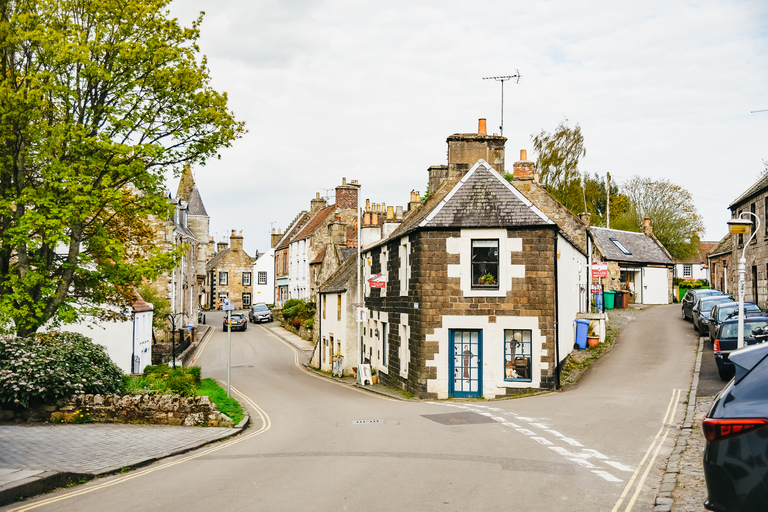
(149, 408)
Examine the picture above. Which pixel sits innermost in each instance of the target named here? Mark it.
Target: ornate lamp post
(172, 318)
(741, 226)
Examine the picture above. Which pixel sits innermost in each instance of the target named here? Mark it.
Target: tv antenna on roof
(502, 79)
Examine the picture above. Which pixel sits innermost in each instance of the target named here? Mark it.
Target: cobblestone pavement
(691, 489)
(108, 446)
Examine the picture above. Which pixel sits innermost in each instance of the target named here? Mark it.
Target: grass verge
(218, 395)
(580, 360)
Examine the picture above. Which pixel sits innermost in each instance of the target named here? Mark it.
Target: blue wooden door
(466, 376)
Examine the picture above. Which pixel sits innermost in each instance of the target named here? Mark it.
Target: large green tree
(98, 100)
(671, 210)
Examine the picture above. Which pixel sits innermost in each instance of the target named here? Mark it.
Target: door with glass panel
(466, 377)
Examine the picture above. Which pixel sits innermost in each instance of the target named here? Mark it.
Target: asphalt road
(317, 445)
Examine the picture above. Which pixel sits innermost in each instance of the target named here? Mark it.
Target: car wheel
(683, 310)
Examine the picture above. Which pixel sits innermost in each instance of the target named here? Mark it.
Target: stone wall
(149, 408)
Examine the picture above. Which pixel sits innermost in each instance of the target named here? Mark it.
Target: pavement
(37, 458)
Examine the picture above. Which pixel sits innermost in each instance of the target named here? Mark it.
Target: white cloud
(370, 91)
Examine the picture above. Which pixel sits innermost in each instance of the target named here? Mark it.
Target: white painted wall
(698, 271)
(571, 278)
(264, 292)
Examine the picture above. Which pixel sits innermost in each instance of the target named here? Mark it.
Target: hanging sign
(377, 281)
(599, 269)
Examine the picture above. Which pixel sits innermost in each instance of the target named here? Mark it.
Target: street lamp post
(742, 226)
(172, 318)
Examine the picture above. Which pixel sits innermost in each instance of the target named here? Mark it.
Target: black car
(702, 309)
(260, 313)
(727, 336)
(726, 310)
(689, 299)
(239, 322)
(735, 465)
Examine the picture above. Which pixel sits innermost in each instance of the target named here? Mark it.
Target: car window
(237, 316)
(731, 330)
(260, 307)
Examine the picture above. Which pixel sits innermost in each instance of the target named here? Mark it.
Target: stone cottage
(230, 274)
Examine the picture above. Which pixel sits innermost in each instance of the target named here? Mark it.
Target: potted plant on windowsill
(487, 279)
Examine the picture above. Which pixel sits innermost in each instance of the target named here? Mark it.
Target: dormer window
(621, 247)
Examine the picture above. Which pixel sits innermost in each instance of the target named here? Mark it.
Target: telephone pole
(608, 200)
(502, 79)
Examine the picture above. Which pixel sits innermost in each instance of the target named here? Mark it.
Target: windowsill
(518, 380)
(485, 287)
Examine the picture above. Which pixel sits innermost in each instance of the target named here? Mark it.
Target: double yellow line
(655, 447)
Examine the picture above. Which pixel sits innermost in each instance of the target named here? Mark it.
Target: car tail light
(717, 345)
(719, 429)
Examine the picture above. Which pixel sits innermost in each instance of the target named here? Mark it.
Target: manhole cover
(459, 418)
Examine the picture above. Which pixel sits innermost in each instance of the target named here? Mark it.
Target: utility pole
(608, 200)
(502, 79)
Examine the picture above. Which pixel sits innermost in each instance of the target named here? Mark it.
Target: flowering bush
(45, 367)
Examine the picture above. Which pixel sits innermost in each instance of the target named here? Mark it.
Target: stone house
(473, 295)
(316, 251)
(718, 259)
(754, 201)
(230, 274)
(637, 262)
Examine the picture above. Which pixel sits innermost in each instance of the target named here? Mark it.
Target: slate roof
(481, 199)
(644, 249)
(759, 186)
(216, 259)
(724, 246)
(195, 204)
(337, 282)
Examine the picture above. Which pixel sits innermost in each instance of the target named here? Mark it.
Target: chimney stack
(481, 130)
(647, 229)
(338, 232)
(276, 238)
(415, 201)
(316, 204)
(524, 169)
(236, 241)
(586, 218)
(346, 195)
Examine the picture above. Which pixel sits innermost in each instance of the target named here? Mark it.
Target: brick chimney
(236, 241)
(346, 195)
(524, 169)
(647, 229)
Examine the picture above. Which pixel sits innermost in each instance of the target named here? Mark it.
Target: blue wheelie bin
(582, 327)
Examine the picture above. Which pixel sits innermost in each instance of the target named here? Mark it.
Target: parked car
(726, 310)
(239, 322)
(260, 313)
(702, 309)
(689, 299)
(727, 336)
(735, 465)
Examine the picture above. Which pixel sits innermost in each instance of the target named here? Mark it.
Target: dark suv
(690, 297)
(260, 313)
(736, 430)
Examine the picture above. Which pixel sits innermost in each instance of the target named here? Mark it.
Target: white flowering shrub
(45, 367)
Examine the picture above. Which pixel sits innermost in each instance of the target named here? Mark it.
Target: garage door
(655, 286)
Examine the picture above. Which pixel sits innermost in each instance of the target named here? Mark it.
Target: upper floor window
(262, 278)
(485, 264)
(246, 279)
(223, 278)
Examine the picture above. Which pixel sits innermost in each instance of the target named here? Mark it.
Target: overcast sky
(371, 90)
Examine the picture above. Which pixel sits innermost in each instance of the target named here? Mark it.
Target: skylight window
(621, 247)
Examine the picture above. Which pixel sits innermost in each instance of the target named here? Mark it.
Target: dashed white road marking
(581, 457)
(605, 475)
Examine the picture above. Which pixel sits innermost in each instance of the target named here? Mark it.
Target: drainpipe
(320, 330)
(133, 340)
(557, 330)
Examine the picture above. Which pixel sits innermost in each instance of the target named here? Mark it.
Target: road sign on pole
(229, 348)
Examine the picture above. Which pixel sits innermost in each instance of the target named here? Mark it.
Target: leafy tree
(672, 212)
(98, 99)
(557, 162)
(161, 306)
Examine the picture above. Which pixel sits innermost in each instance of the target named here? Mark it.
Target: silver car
(260, 313)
